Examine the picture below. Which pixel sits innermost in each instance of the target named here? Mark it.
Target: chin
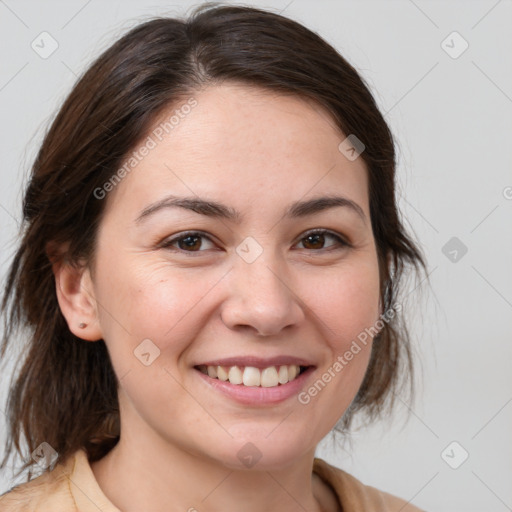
(264, 452)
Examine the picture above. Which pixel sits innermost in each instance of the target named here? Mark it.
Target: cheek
(347, 308)
(346, 301)
(164, 303)
(152, 301)
(151, 314)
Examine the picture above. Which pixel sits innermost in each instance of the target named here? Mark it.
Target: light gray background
(453, 121)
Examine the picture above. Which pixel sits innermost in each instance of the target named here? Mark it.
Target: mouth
(253, 376)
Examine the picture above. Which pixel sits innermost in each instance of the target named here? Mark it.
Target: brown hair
(65, 393)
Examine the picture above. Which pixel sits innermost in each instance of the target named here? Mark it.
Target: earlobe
(76, 300)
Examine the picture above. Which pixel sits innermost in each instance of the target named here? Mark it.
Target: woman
(209, 270)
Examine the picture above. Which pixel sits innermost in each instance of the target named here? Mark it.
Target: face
(182, 290)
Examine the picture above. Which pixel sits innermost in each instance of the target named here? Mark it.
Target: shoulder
(356, 496)
(45, 493)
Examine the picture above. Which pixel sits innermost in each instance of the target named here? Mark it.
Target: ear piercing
(82, 325)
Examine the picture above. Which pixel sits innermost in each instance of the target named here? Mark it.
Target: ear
(75, 294)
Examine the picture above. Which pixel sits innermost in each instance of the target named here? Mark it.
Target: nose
(261, 298)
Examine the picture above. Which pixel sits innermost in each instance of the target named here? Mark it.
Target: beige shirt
(72, 487)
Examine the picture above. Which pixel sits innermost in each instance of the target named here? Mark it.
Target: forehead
(242, 145)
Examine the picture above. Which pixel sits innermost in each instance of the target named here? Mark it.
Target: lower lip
(257, 395)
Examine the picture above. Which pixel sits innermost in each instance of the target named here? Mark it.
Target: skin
(256, 152)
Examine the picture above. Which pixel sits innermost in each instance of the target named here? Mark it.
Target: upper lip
(257, 362)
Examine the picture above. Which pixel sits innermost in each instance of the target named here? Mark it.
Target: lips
(257, 396)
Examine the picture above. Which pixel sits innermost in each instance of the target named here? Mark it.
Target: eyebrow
(218, 210)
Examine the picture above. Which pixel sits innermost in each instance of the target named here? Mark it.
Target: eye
(316, 238)
(192, 241)
(187, 242)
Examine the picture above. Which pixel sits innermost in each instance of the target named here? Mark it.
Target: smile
(251, 376)
(259, 383)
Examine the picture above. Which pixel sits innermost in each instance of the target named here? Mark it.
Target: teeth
(235, 375)
(282, 375)
(221, 373)
(293, 371)
(269, 377)
(251, 376)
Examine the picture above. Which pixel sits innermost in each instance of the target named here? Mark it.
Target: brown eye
(190, 242)
(187, 242)
(316, 240)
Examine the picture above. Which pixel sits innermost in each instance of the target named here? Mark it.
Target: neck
(140, 473)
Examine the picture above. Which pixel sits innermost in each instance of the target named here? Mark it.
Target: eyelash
(167, 244)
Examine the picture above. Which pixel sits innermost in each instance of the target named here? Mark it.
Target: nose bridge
(259, 295)
(264, 278)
